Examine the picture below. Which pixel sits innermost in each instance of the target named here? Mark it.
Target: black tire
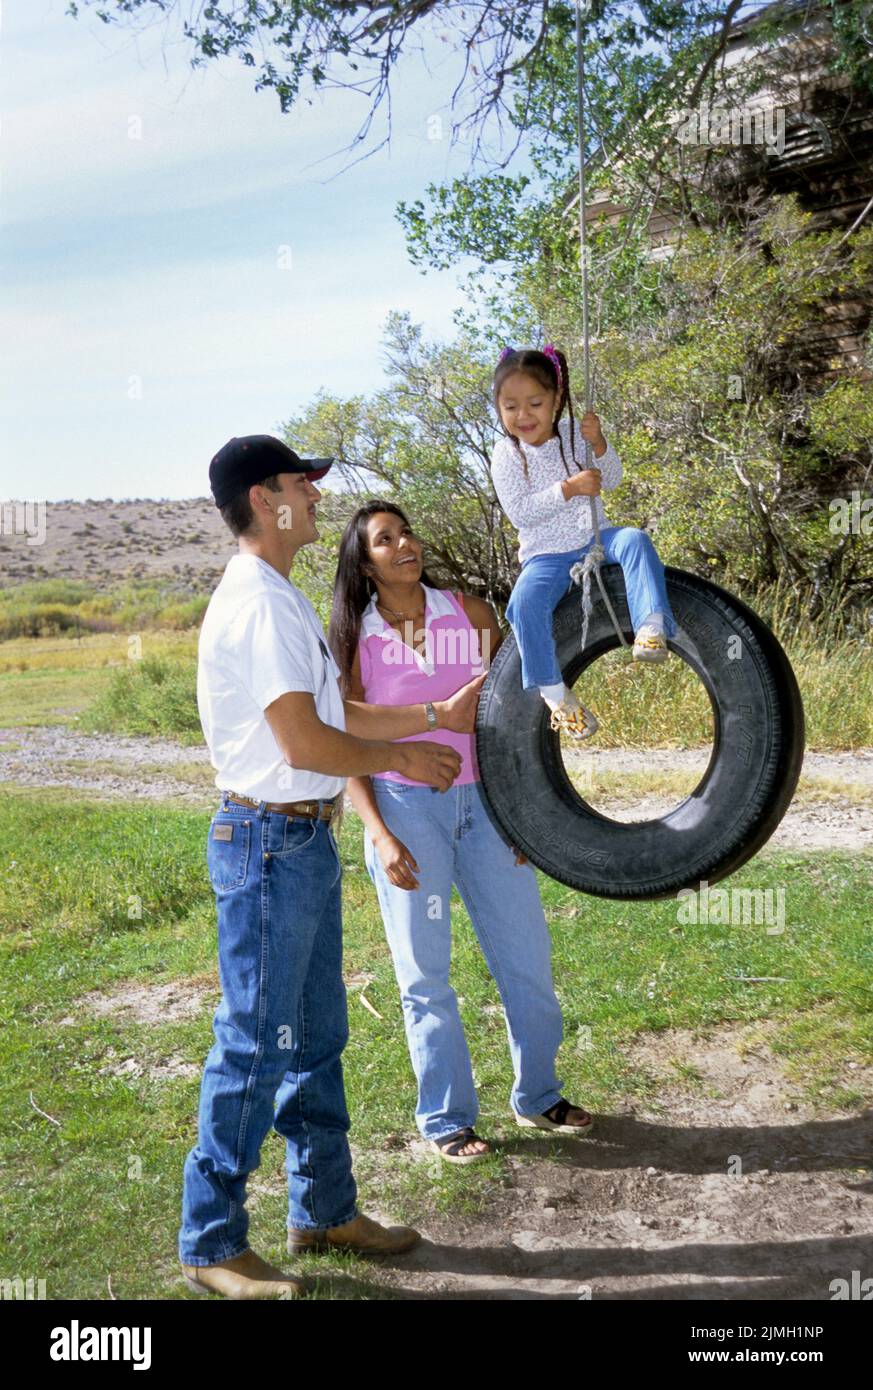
(758, 741)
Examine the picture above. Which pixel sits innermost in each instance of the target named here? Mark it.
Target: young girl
(543, 487)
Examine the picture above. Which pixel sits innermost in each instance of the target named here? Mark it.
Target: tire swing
(758, 726)
(757, 751)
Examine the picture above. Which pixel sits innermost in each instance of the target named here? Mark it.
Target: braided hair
(542, 368)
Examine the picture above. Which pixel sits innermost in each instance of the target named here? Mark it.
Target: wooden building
(823, 153)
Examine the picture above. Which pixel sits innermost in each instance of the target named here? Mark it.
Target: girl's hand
(519, 857)
(397, 860)
(591, 430)
(586, 483)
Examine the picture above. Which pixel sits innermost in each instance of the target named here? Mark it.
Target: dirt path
(729, 1187)
(732, 1190)
(833, 808)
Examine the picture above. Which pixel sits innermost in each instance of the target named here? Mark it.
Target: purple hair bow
(550, 352)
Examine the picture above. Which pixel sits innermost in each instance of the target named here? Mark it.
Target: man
(282, 742)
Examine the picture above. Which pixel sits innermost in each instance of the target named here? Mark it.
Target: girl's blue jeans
(279, 1031)
(453, 841)
(545, 579)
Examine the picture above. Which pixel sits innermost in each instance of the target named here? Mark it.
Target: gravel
(36, 757)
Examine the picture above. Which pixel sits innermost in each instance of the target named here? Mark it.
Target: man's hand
(434, 763)
(458, 713)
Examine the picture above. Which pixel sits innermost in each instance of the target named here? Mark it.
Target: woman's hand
(591, 431)
(458, 713)
(397, 860)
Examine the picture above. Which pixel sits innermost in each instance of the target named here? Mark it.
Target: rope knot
(580, 573)
(582, 568)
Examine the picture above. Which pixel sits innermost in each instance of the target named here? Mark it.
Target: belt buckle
(237, 797)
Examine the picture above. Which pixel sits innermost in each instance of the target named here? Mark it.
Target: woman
(398, 640)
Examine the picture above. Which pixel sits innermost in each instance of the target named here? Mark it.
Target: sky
(180, 262)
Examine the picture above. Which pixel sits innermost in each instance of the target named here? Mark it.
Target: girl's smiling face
(527, 409)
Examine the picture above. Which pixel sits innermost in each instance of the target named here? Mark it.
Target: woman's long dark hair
(542, 369)
(353, 587)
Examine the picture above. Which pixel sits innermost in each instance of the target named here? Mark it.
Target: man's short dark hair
(238, 514)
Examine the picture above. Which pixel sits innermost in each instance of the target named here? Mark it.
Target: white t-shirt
(261, 637)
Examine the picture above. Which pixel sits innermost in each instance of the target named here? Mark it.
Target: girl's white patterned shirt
(548, 523)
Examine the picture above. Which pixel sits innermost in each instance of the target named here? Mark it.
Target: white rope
(580, 572)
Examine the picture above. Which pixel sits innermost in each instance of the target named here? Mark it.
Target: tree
(511, 55)
(424, 442)
(643, 72)
(733, 470)
(516, 66)
(354, 44)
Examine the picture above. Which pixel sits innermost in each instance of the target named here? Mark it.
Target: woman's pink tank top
(391, 674)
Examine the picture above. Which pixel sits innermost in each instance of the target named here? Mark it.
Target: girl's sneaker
(571, 717)
(650, 644)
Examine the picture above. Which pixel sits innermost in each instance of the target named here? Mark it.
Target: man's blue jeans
(453, 841)
(545, 579)
(279, 1031)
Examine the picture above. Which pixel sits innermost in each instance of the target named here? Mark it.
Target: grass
(666, 706)
(119, 893)
(48, 607)
(94, 684)
(153, 696)
(200, 776)
(616, 785)
(53, 680)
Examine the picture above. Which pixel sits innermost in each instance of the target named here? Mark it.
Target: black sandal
(554, 1119)
(450, 1145)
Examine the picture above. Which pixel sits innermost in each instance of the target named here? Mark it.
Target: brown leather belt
(305, 810)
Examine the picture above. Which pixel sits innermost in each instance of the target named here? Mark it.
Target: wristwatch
(431, 715)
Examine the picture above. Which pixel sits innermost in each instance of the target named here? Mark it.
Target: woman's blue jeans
(279, 1029)
(545, 579)
(453, 841)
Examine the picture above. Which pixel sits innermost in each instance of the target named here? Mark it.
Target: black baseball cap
(250, 458)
